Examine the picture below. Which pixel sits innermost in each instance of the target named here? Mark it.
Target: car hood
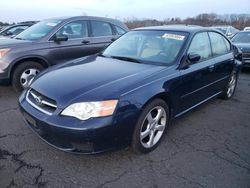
(91, 79)
(12, 42)
(244, 47)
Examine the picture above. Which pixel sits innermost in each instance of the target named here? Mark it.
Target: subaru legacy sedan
(128, 94)
(54, 41)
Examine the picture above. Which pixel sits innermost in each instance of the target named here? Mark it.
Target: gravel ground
(208, 147)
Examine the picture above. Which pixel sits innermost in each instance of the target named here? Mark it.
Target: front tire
(24, 73)
(151, 126)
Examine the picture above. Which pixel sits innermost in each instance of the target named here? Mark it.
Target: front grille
(41, 102)
(246, 55)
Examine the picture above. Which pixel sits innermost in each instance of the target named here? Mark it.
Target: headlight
(86, 110)
(3, 52)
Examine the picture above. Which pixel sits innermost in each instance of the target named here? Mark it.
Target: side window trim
(116, 31)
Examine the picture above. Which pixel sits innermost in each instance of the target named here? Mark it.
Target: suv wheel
(24, 73)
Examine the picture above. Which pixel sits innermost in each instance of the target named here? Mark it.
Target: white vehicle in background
(247, 29)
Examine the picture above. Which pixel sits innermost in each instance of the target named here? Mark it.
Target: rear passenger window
(219, 44)
(201, 45)
(100, 29)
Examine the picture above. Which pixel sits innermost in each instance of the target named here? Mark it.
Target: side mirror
(8, 33)
(193, 58)
(60, 38)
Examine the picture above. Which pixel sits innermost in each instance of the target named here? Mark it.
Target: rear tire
(151, 126)
(24, 73)
(230, 87)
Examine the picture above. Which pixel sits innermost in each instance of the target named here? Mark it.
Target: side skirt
(198, 104)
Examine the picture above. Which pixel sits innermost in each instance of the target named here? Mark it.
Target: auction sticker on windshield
(173, 36)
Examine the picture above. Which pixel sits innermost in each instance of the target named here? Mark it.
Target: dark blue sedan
(128, 94)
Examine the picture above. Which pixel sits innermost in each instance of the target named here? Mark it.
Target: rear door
(196, 80)
(77, 45)
(102, 34)
(224, 60)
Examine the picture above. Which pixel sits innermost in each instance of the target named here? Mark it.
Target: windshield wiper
(18, 38)
(101, 55)
(126, 59)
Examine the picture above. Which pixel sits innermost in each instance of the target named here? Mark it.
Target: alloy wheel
(231, 86)
(27, 76)
(153, 127)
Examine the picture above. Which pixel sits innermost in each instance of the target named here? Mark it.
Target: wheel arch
(166, 98)
(37, 59)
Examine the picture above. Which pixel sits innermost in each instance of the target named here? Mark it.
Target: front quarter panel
(132, 101)
(163, 85)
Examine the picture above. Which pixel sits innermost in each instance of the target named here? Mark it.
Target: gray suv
(54, 41)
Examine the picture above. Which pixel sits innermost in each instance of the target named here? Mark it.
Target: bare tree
(236, 20)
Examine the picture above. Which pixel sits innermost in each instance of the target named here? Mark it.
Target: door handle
(211, 68)
(85, 41)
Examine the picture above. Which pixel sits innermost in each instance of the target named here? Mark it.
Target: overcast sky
(22, 10)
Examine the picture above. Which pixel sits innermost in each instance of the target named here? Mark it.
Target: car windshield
(147, 46)
(243, 37)
(38, 30)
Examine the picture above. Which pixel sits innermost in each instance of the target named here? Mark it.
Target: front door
(102, 34)
(196, 80)
(77, 45)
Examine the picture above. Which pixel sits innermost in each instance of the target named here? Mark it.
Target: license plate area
(30, 120)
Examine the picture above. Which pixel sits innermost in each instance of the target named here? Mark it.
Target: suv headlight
(3, 52)
(86, 110)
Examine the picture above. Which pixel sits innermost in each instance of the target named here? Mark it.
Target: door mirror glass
(60, 37)
(193, 58)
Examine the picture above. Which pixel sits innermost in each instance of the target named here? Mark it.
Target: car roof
(247, 31)
(110, 20)
(183, 28)
(220, 26)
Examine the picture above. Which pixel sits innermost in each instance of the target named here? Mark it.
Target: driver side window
(200, 45)
(74, 30)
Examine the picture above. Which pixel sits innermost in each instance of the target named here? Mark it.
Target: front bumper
(4, 69)
(246, 63)
(246, 59)
(69, 134)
